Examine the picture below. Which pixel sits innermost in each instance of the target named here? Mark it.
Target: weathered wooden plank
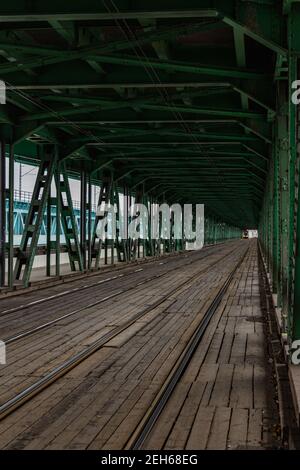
(201, 429)
(221, 391)
(217, 439)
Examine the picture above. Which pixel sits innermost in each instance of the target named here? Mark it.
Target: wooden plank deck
(222, 401)
(35, 355)
(228, 398)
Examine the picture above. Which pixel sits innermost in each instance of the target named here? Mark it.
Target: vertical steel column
(283, 156)
(129, 213)
(211, 231)
(164, 242)
(275, 251)
(126, 221)
(48, 236)
(294, 124)
(34, 219)
(11, 217)
(270, 219)
(135, 244)
(89, 263)
(2, 213)
(149, 242)
(58, 212)
(68, 219)
(182, 228)
(293, 324)
(83, 185)
(112, 241)
(143, 240)
(119, 241)
(105, 251)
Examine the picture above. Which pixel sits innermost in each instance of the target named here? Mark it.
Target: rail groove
(27, 394)
(143, 430)
(26, 333)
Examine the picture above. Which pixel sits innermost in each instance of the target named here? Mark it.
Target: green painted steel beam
(160, 122)
(207, 111)
(185, 121)
(203, 92)
(278, 49)
(224, 156)
(255, 132)
(87, 11)
(65, 29)
(187, 153)
(162, 143)
(36, 14)
(176, 66)
(251, 97)
(52, 56)
(180, 109)
(121, 133)
(84, 84)
(291, 307)
(264, 157)
(240, 52)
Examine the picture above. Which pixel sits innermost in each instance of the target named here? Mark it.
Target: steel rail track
(26, 333)
(67, 292)
(93, 284)
(145, 426)
(28, 393)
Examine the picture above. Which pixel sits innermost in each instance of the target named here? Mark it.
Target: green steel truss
(279, 224)
(190, 101)
(98, 232)
(28, 245)
(141, 89)
(41, 199)
(120, 242)
(68, 220)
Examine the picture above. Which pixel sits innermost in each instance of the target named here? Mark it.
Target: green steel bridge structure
(160, 101)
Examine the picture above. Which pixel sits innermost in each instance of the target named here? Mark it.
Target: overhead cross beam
(143, 105)
(50, 56)
(82, 14)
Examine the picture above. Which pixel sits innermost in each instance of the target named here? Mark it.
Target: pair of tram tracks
(144, 428)
(93, 284)
(29, 332)
(30, 392)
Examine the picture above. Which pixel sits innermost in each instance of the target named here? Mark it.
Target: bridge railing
(25, 196)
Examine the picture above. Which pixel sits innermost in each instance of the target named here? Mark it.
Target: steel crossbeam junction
(151, 104)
